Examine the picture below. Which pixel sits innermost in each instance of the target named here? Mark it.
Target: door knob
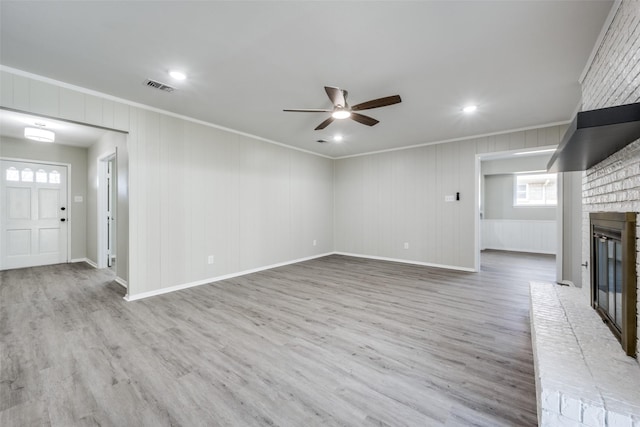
(63, 219)
(62, 208)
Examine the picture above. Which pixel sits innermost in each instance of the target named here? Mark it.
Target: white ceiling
(518, 60)
(12, 124)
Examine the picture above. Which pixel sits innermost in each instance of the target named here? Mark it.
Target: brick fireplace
(583, 377)
(613, 79)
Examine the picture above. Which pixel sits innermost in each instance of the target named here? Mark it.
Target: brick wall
(613, 79)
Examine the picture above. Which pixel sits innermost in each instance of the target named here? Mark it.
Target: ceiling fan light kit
(342, 110)
(341, 114)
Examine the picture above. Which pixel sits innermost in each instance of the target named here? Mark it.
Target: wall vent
(158, 85)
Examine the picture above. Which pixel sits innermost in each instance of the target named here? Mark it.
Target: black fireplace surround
(613, 273)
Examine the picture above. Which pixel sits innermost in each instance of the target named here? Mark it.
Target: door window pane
(12, 174)
(27, 175)
(41, 175)
(54, 177)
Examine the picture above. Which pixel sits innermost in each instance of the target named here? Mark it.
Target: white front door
(33, 214)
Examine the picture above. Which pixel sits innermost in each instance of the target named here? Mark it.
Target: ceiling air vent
(322, 141)
(158, 85)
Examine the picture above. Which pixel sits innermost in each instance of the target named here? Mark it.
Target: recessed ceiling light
(337, 138)
(341, 114)
(470, 108)
(178, 75)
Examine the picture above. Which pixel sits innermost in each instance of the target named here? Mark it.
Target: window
(27, 175)
(54, 177)
(12, 174)
(535, 190)
(41, 175)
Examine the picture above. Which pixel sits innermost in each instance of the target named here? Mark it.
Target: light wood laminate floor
(333, 341)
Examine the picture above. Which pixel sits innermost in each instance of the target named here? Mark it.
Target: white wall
(613, 184)
(57, 153)
(535, 236)
(196, 190)
(570, 227)
(498, 202)
(384, 200)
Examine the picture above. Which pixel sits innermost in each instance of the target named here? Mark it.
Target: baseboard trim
(170, 289)
(529, 251)
(120, 281)
(87, 260)
(405, 261)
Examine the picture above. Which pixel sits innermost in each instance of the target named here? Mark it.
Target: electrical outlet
(210, 259)
(406, 245)
(315, 242)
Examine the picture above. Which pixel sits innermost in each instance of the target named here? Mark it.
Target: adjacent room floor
(333, 341)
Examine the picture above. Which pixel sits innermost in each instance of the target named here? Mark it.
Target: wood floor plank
(333, 341)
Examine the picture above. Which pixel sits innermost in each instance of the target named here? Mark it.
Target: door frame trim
(102, 160)
(69, 210)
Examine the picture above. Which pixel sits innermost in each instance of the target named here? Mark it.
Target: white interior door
(33, 214)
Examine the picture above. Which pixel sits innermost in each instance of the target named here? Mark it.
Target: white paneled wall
(208, 192)
(519, 235)
(383, 201)
(196, 190)
(29, 95)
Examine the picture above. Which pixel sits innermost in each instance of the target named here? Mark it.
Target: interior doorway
(518, 203)
(107, 209)
(83, 149)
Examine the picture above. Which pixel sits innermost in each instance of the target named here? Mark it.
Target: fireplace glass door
(613, 274)
(609, 273)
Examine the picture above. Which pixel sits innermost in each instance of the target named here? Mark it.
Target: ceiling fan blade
(308, 110)
(375, 103)
(336, 95)
(365, 120)
(325, 123)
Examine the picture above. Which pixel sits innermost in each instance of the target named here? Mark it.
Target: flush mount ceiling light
(178, 75)
(39, 133)
(337, 138)
(470, 108)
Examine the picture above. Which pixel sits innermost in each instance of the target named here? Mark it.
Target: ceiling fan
(342, 110)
